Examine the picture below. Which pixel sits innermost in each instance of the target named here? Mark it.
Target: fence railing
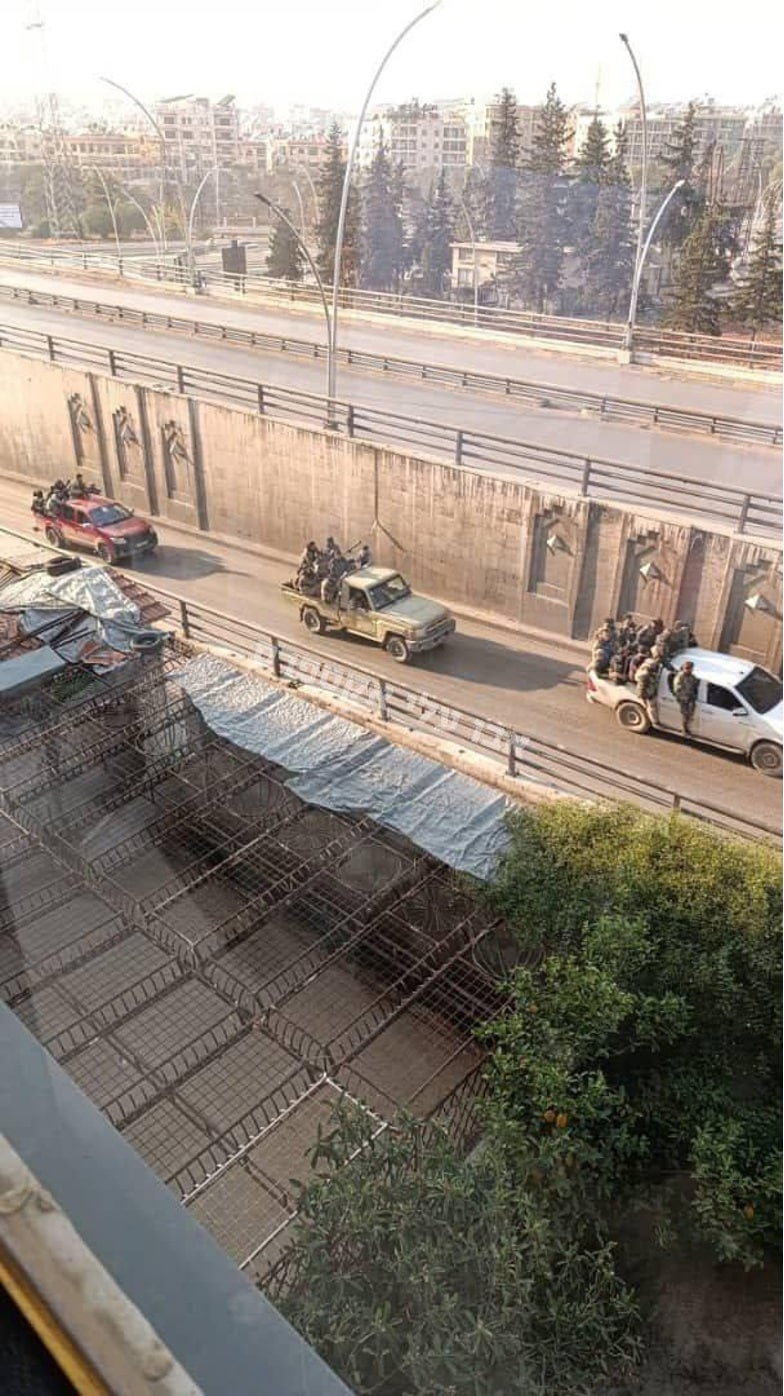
(746, 512)
(545, 762)
(745, 353)
(520, 755)
(536, 394)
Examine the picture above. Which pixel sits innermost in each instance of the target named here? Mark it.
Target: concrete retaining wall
(502, 547)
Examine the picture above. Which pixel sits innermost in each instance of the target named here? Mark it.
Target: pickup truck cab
(739, 706)
(99, 525)
(377, 603)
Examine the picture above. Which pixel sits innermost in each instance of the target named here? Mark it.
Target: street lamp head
(624, 38)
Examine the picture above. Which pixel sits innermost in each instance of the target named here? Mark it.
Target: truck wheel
(104, 553)
(398, 649)
(312, 620)
(53, 537)
(633, 718)
(766, 758)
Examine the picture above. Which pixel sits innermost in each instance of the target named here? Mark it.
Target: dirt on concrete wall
(493, 544)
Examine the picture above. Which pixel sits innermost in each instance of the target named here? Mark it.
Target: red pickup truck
(100, 525)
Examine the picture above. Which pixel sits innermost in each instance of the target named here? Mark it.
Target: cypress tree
(382, 240)
(503, 173)
(284, 259)
(591, 168)
(609, 262)
(701, 266)
(330, 190)
(543, 208)
(757, 299)
(679, 161)
(437, 236)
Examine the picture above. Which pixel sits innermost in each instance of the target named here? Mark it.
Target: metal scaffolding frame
(215, 962)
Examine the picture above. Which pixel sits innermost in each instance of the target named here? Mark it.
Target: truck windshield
(760, 690)
(105, 514)
(393, 589)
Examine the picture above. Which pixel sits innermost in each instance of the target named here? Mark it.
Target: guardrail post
(350, 419)
(180, 379)
(275, 656)
(184, 622)
(713, 426)
(744, 513)
(676, 802)
(458, 447)
(511, 756)
(382, 700)
(50, 347)
(585, 482)
(260, 398)
(112, 362)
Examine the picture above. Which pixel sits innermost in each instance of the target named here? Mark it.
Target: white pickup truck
(739, 706)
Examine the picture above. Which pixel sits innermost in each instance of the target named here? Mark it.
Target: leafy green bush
(417, 1273)
(653, 1021)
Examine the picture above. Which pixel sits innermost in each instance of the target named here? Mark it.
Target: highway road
(438, 343)
(753, 468)
(535, 685)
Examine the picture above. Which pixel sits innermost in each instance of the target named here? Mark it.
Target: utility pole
(58, 172)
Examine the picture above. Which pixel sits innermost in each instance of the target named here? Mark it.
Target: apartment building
(420, 138)
(200, 134)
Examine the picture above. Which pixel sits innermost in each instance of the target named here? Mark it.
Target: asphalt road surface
(534, 685)
(433, 342)
(753, 468)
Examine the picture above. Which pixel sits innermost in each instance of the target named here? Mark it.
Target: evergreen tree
(382, 241)
(330, 190)
(503, 174)
(436, 235)
(284, 259)
(702, 265)
(543, 208)
(609, 261)
(757, 299)
(591, 168)
(679, 161)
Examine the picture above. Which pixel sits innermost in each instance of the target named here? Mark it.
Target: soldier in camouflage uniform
(647, 680)
(685, 689)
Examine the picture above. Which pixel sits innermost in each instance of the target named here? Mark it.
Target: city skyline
(291, 58)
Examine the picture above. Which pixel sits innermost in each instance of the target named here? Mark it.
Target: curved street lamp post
(628, 337)
(284, 218)
(110, 206)
(331, 360)
(161, 137)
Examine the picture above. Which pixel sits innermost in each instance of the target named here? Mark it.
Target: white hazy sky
(323, 52)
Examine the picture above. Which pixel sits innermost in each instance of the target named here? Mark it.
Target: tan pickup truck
(377, 603)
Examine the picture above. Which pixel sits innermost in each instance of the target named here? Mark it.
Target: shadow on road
(472, 659)
(183, 564)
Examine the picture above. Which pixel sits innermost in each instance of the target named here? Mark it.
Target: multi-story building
(20, 144)
(200, 134)
(493, 262)
(126, 155)
(482, 121)
(420, 138)
(720, 127)
(308, 152)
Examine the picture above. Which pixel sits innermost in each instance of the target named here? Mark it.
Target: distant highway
(535, 685)
(444, 343)
(749, 467)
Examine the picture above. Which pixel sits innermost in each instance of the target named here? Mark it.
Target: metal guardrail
(613, 482)
(383, 698)
(555, 766)
(745, 353)
(537, 394)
